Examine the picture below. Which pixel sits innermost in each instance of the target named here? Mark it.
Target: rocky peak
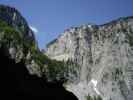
(13, 18)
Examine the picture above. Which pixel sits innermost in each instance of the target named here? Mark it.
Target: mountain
(24, 70)
(103, 55)
(94, 62)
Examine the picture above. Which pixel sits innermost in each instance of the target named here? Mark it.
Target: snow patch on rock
(94, 82)
(82, 89)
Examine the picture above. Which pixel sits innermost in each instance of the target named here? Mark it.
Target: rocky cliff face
(104, 54)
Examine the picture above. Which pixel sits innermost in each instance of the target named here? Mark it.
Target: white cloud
(34, 29)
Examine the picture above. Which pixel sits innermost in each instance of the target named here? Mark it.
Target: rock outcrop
(104, 54)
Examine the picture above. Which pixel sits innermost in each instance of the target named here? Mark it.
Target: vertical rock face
(75, 45)
(105, 56)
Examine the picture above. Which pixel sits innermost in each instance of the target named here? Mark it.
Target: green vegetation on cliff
(8, 33)
(11, 37)
(93, 98)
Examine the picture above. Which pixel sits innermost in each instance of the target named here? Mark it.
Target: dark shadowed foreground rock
(16, 82)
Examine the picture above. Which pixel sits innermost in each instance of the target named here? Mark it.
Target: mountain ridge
(97, 25)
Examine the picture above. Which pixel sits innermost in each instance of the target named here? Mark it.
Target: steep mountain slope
(104, 54)
(25, 70)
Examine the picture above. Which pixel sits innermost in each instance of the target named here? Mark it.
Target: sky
(49, 18)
